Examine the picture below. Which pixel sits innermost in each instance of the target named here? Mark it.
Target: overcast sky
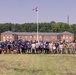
(20, 11)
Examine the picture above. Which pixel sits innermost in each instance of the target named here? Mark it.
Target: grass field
(42, 64)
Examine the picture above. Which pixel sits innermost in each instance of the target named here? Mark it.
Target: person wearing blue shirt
(29, 47)
(5, 49)
(42, 46)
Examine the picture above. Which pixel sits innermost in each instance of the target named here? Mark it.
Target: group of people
(35, 47)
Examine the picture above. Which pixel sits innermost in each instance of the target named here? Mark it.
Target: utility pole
(68, 19)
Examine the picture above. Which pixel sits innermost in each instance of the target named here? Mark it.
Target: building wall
(67, 38)
(8, 37)
(41, 38)
(12, 37)
(24, 38)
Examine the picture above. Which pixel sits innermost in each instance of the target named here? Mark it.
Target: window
(63, 37)
(70, 37)
(25, 36)
(66, 37)
(4, 37)
(34, 36)
(53, 37)
(40, 37)
(7, 37)
(20, 37)
(30, 36)
(10, 36)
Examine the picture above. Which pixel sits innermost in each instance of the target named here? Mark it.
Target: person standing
(61, 48)
(37, 47)
(57, 47)
(42, 46)
(51, 47)
(33, 47)
(8, 47)
(0, 48)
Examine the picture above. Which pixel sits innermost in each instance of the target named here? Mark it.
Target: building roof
(66, 33)
(34, 33)
(8, 32)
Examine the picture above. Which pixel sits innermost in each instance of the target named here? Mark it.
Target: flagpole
(37, 22)
(37, 27)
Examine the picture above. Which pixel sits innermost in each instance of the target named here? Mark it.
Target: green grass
(42, 64)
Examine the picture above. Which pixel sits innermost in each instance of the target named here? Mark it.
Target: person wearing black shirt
(0, 48)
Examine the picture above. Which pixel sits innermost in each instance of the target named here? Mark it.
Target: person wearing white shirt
(50, 47)
(33, 48)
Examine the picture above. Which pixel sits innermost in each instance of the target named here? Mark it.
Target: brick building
(11, 36)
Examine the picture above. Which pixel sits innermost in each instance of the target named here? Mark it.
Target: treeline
(43, 27)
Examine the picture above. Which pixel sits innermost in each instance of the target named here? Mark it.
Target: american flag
(36, 9)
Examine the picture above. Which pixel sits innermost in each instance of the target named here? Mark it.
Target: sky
(20, 11)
